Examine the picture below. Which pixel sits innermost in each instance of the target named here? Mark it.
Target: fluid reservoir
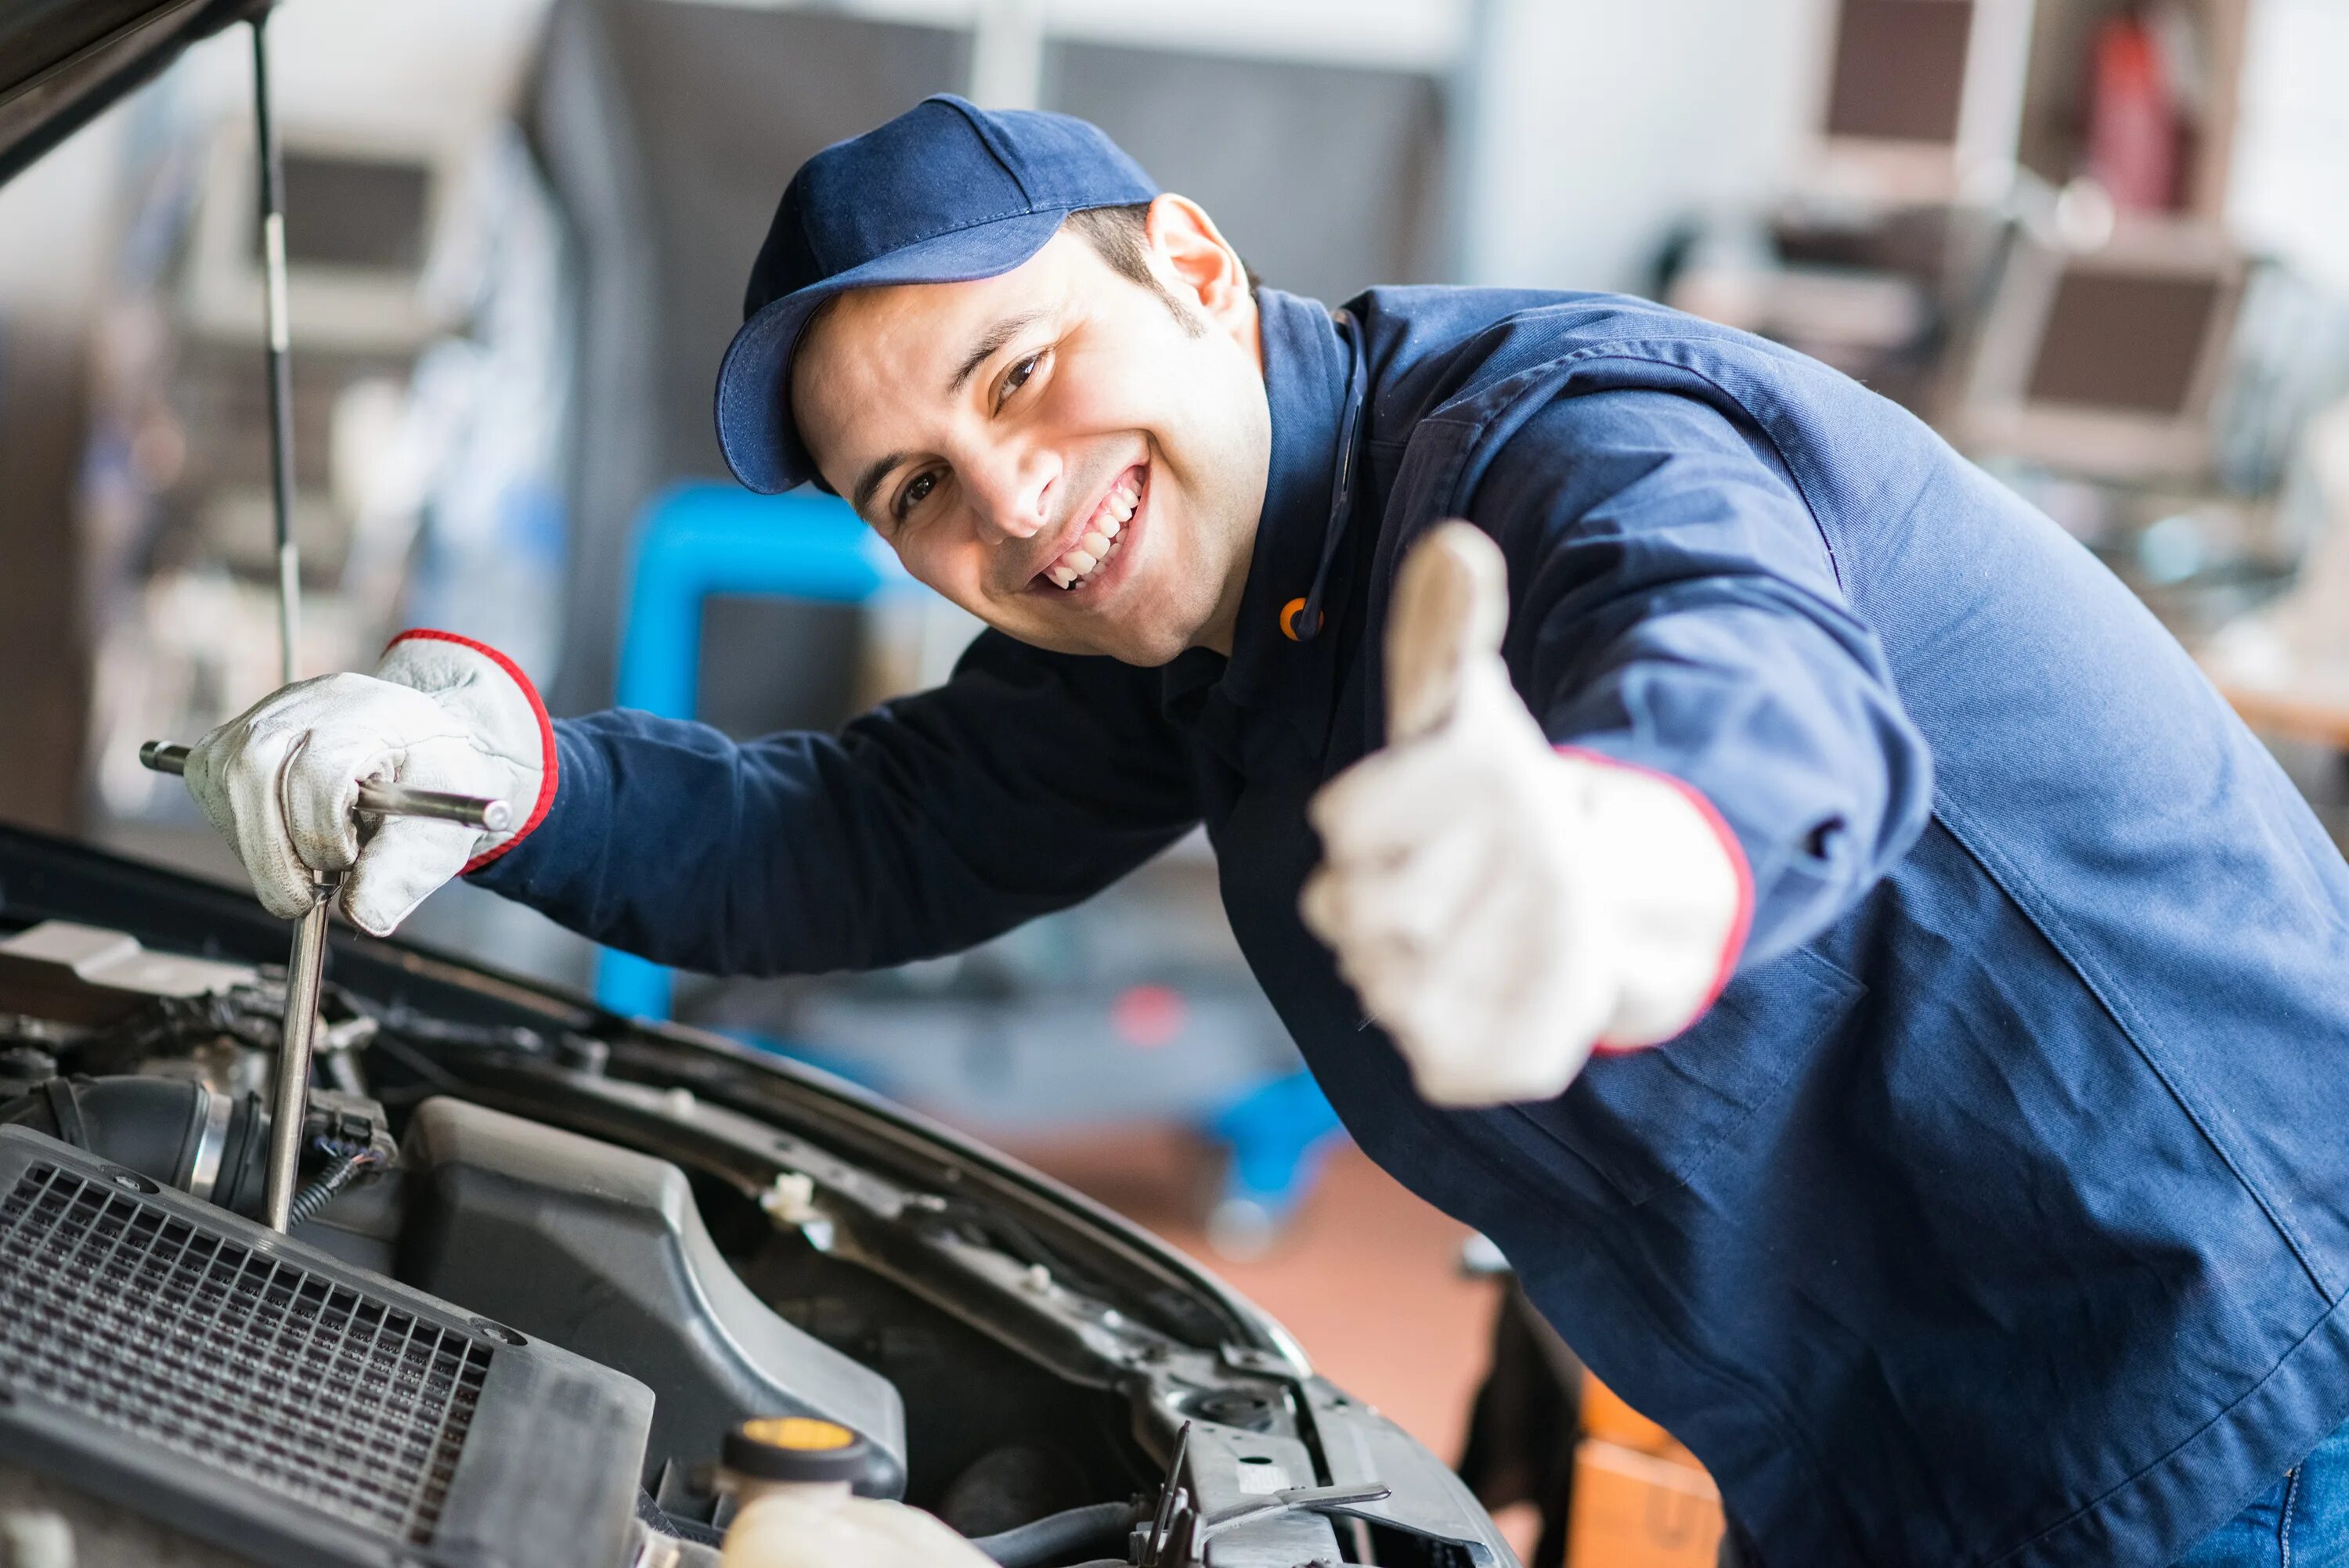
(789, 1477)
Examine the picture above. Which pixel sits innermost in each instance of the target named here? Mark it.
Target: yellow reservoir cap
(805, 1434)
(797, 1448)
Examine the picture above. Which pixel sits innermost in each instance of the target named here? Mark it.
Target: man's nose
(1014, 490)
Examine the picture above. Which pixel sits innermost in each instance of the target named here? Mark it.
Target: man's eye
(1016, 377)
(918, 490)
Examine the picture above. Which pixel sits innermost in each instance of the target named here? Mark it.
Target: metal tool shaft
(383, 799)
(289, 1097)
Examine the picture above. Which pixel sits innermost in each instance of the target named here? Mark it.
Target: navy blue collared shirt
(1996, 1213)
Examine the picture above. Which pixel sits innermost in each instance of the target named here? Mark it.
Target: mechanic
(1964, 1175)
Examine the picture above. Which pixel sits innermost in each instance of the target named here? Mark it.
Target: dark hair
(1120, 236)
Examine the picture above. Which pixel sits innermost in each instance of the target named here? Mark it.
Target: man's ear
(1200, 263)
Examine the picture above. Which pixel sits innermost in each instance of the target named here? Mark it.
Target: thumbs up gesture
(1503, 907)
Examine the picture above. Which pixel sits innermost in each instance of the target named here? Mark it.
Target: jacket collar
(1306, 363)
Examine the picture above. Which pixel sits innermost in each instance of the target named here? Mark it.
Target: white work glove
(281, 779)
(1501, 907)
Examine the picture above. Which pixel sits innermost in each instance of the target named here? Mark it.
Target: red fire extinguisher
(2135, 131)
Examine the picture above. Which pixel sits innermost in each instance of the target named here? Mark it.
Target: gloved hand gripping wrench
(305, 970)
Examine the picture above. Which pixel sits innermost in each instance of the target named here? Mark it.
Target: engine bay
(613, 1243)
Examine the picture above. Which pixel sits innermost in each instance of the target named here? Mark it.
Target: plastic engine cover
(603, 1251)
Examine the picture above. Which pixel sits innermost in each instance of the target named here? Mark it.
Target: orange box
(1605, 1414)
(1634, 1509)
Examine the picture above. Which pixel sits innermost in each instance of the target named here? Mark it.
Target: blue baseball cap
(944, 193)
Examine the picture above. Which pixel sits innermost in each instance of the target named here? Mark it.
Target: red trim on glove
(545, 801)
(1739, 925)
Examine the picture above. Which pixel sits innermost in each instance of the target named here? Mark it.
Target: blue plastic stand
(1280, 1133)
(694, 541)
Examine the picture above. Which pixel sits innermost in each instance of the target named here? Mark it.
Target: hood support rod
(280, 362)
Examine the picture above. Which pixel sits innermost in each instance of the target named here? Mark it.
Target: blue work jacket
(1997, 1211)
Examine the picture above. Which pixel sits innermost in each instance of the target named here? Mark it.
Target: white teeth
(1078, 565)
(1094, 546)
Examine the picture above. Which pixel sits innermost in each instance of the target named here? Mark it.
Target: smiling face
(1075, 458)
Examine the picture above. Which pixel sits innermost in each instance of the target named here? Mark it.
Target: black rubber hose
(325, 1187)
(1095, 1525)
(154, 1126)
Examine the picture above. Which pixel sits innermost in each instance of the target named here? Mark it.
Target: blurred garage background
(2102, 245)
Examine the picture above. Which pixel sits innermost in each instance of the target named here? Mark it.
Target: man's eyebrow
(991, 343)
(871, 480)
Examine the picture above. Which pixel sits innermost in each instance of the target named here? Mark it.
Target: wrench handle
(289, 1097)
(383, 799)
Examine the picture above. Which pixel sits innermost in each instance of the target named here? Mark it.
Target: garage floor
(1368, 1278)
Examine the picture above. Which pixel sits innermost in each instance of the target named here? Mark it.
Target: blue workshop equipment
(696, 540)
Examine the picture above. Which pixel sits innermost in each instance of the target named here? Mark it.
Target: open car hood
(64, 61)
(843, 1254)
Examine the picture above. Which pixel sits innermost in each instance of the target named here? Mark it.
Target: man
(1963, 1174)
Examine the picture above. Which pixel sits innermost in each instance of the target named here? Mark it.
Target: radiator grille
(119, 1309)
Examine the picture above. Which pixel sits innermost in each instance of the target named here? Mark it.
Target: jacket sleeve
(1676, 608)
(1026, 782)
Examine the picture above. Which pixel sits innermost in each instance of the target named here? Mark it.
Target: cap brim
(756, 429)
